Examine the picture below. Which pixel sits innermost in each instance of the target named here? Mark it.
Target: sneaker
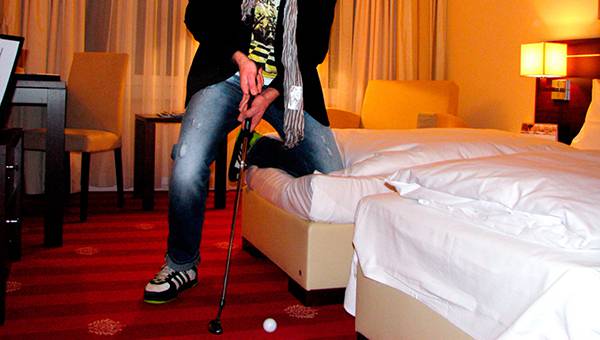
(236, 158)
(167, 283)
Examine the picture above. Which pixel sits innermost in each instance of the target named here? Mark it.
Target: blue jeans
(211, 114)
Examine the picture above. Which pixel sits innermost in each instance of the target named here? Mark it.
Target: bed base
(315, 297)
(315, 256)
(383, 312)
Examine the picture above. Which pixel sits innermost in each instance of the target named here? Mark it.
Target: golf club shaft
(246, 136)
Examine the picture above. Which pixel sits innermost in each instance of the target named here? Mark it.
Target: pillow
(564, 186)
(589, 136)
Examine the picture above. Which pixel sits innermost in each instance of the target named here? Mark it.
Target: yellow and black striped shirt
(263, 36)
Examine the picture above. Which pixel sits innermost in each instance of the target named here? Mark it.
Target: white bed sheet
(372, 155)
(489, 284)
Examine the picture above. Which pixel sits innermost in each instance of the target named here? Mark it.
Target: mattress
(370, 156)
(502, 246)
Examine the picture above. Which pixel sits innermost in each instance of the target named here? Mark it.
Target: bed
(520, 264)
(506, 246)
(305, 225)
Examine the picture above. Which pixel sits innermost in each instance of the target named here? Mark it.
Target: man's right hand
(251, 80)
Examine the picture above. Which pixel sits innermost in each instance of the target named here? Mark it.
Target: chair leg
(67, 175)
(119, 176)
(85, 181)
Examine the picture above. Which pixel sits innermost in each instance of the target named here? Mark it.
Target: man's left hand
(258, 107)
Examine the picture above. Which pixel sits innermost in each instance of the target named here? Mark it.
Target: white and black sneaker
(167, 283)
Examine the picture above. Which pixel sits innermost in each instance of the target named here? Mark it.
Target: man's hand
(260, 81)
(251, 78)
(258, 107)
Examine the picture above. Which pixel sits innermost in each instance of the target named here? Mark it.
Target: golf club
(214, 326)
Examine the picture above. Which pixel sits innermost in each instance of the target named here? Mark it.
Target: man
(267, 50)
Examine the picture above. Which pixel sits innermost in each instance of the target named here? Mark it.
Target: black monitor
(10, 51)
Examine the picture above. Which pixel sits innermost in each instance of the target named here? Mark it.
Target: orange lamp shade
(544, 60)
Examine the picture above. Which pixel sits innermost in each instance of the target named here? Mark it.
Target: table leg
(138, 156)
(147, 162)
(55, 168)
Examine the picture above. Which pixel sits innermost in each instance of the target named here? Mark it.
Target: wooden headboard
(583, 65)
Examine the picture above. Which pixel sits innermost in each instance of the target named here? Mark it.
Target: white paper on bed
(546, 197)
(333, 198)
(488, 284)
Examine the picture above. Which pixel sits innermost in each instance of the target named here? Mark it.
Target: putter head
(215, 327)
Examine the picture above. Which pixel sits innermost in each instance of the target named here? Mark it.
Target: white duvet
(372, 155)
(552, 198)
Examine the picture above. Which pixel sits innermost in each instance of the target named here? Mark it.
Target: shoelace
(163, 274)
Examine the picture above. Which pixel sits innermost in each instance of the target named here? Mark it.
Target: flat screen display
(10, 50)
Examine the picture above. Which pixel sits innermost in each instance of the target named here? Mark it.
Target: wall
(484, 38)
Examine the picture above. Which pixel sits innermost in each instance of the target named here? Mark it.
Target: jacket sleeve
(316, 18)
(216, 25)
(313, 32)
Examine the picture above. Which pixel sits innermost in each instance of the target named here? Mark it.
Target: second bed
(305, 225)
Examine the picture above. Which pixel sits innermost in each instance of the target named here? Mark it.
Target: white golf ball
(269, 325)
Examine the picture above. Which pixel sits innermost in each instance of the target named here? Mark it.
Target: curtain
(53, 31)
(371, 39)
(154, 35)
(160, 51)
(382, 39)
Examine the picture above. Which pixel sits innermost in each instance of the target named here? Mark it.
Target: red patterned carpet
(92, 286)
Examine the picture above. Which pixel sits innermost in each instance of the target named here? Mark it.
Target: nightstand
(143, 164)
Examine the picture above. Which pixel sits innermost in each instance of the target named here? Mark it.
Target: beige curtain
(160, 48)
(53, 31)
(152, 32)
(382, 39)
(371, 39)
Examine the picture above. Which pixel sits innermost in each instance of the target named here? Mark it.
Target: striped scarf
(293, 121)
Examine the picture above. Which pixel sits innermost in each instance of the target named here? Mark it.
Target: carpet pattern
(92, 286)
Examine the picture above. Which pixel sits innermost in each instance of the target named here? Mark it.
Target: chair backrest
(96, 88)
(396, 104)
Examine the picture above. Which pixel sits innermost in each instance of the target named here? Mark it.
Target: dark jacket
(217, 26)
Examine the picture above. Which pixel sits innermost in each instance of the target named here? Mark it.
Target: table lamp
(547, 60)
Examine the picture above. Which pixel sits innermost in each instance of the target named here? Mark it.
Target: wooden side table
(51, 92)
(143, 168)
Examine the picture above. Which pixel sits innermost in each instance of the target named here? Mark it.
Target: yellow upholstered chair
(95, 88)
(342, 119)
(405, 104)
